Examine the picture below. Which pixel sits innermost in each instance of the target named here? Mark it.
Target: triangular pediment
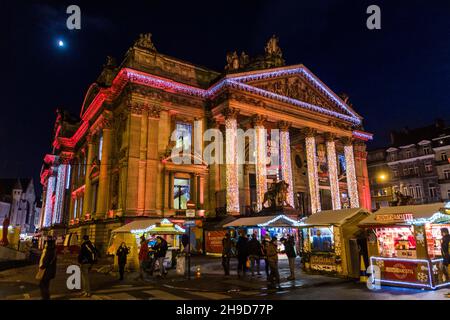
(299, 86)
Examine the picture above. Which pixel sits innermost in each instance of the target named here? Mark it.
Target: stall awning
(264, 221)
(156, 226)
(332, 217)
(405, 215)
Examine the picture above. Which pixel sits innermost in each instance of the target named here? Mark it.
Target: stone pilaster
(261, 159)
(285, 157)
(142, 163)
(104, 177)
(333, 171)
(87, 200)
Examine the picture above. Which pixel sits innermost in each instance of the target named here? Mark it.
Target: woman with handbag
(47, 268)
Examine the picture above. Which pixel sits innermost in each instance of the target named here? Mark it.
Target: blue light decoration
(239, 82)
(430, 282)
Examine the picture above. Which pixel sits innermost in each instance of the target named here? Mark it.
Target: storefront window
(181, 193)
(396, 242)
(321, 239)
(184, 135)
(434, 239)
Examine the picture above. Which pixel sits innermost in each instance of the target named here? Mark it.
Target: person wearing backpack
(86, 258)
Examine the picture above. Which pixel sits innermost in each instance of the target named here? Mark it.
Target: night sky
(397, 76)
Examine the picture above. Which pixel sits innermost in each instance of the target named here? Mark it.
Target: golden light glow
(232, 174)
(311, 159)
(261, 162)
(286, 170)
(333, 175)
(352, 184)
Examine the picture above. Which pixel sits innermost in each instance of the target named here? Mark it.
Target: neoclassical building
(115, 162)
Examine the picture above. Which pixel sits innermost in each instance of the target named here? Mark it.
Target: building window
(433, 191)
(181, 193)
(184, 135)
(405, 191)
(393, 157)
(411, 191)
(447, 174)
(75, 209)
(408, 154)
(69, 171)
(444, 156)
(416, 169)
(100, 146)
(428, 167)
(426, 150)
(405, 171)
(395, 172)
(411, 170)
(418, 191)
(448, 194)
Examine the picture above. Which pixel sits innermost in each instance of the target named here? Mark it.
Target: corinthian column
(311, 159)
(261, 159)
(352, 184)
(104, 177)
(142, 163)
(87, 199)
(333, 171)
(48, 213)
(285, 157)
(232, 174)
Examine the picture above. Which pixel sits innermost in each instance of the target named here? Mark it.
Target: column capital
(258, 120)
(308, 132)
(284, 125)
(230, 113)
(153, 111)
(329, 136)
(347, 141)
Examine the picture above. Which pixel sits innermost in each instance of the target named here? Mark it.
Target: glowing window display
(321, 239)
(398, 242)
(181, 193)
(434, 238)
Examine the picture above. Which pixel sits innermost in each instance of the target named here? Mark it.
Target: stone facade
(115, 163)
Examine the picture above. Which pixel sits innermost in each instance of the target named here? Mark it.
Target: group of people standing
(249, 254)
(147, 263)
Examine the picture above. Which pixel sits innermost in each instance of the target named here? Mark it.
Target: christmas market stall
(274, 226)
(150, 228)
(404, 245)
(330, 243)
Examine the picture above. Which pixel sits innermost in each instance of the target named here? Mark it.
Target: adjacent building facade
(116, 162)
(416, 164)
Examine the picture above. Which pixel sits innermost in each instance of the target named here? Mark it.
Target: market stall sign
(394, 217)
(404, 271)
(323, 263)
(190, 213)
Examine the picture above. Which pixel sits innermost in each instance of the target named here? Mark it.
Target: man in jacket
(445, 249)
(254, 252)
(289, 249)
(87, 257)
(242, 254)
(122, 253)
(48, 264)
(272, 258)
(227, 250)
(160, 254)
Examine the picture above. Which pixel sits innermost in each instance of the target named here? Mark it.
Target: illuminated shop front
(273, 226)
(404, 245)
(329, 242)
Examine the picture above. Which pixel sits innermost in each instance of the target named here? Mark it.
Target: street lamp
(382, 177)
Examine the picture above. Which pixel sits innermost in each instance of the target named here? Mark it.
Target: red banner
(400, 271)
(214, 241)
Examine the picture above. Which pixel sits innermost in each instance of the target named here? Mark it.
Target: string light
(313, 179)
(60, 188)
(294, 223)
(432, 219)
(261, 169)
(333, 175)
(362, 135)
(286, 168)
(48, 201)
(352, 184)
(232, 173)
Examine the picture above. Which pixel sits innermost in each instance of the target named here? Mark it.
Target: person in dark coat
(242, 254)
(121, 254)
(86, 258)
(445, 249)
(227, 252)
(160, 249)
(289, 250)
(272, 258)
(47, 263)
(254, 253)
(264, 244)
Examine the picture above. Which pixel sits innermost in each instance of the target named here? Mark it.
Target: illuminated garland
(313, 179)
(333, 175)
(164, 221)
(232, 173)
(352, 184)
(362, 135)
(286, 168)
(432, 219)
(60, 187)
(261, 169)
(295, 223)
(48, 201)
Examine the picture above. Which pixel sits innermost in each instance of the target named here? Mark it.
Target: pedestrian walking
(254, 253)
(86, 258)
(227, 251)
(47, 268)
(289, 250)
(143, 258)
(264, 245)
(121, 254)
(272, 257)
(160, 249)
(445, 249)
(242, 254)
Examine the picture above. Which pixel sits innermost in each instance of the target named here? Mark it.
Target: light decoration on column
(286, 168)
(352, 184)
(333, 174)
(48, 201)
(261, 165)
(311, 159)
(232, 174)
(60, 187)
